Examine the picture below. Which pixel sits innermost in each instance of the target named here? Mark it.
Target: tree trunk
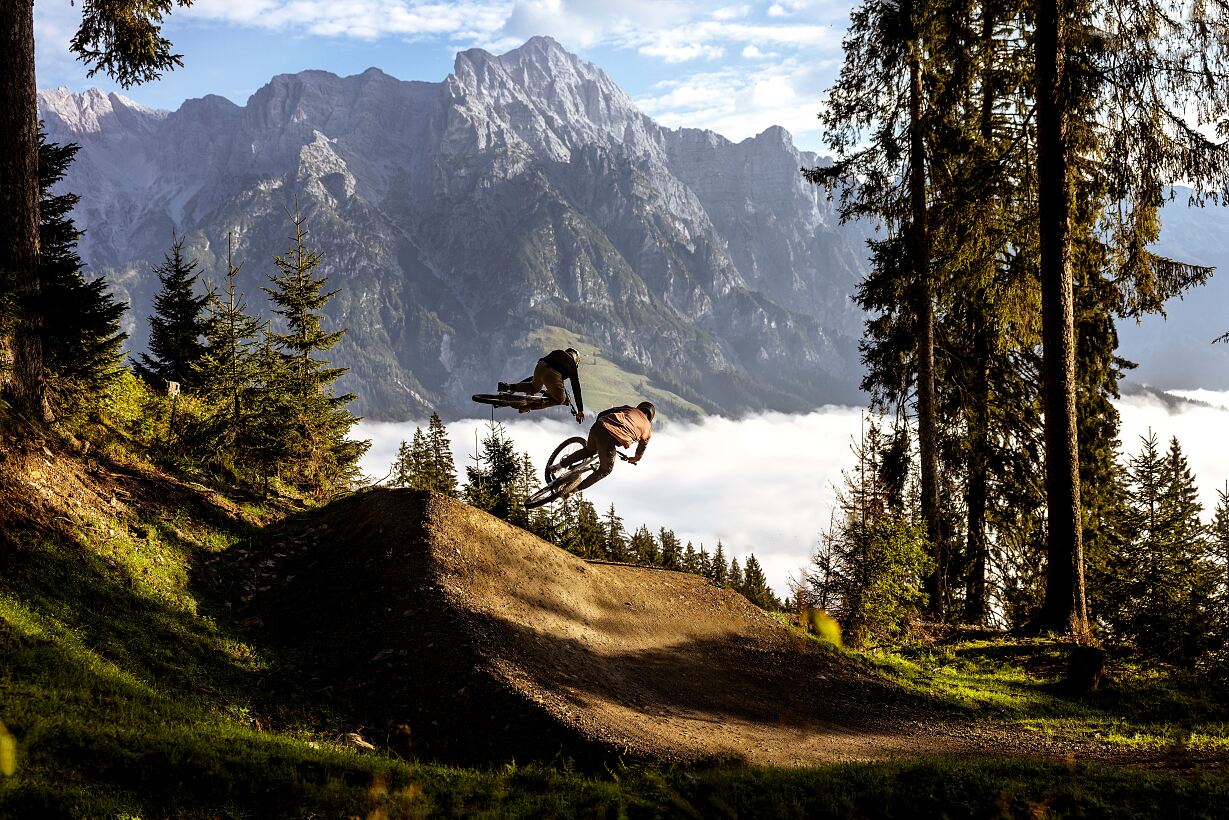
(19, 197)
(1064, 609)
(976, 606)
(927, 428)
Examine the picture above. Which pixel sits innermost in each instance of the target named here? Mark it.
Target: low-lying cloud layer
(766, 484)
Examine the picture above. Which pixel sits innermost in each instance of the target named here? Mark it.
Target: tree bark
(927, 427)
(19, 196)
(1063, 609)
(976, 606)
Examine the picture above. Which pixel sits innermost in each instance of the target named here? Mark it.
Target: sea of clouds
(766, 484)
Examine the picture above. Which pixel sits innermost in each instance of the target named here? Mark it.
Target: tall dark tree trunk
(19, 204)
(1064, 609)
(927, 427)
(976, 606)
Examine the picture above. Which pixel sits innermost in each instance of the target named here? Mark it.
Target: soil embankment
(470, 640)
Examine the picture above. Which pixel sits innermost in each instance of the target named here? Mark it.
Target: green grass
(604, 383)
(131, 691)
(1017, 681)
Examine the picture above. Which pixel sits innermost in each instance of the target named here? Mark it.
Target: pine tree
(1218, 541)
(878, 121)
(734, 577)
(120, 37)
(644, 548)
(228, 371)
(878, 556)
(524, 485)
(691, 560)
(1164, 576)
(403, 466)
(717, 568)
(490, 481)
(82, 340)
(614, 545)
(704, 563)
(755, 586)
(444, 471)
(178, 325)
(671, 550)
(321, 457)
(589, 534)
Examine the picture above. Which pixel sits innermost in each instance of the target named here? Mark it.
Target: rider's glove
(580, 416)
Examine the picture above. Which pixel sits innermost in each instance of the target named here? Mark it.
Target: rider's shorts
(549, 379)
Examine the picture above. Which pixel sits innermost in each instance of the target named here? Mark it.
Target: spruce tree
(490, 481)
(614, 544)
(444, 471)
(755, 585)
(82, 340)
(178, 325)
(671, 550)
(644, 548)
(734, 576)
(421, 473)
(403, 466)
(691, 560)
(228, 372)
(589, 534)
(704, 563)
(1165, 579)
(878, 121)
(718, 569)
(321, 456)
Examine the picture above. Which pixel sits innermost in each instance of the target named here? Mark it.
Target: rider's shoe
(504, 388)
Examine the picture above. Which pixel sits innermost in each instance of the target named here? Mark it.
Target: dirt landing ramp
(470, 640)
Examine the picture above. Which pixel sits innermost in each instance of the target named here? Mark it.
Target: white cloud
(359, 19)
(777, 10)
(731, 12)
(741, 102)
(765, 484)
(673, 52)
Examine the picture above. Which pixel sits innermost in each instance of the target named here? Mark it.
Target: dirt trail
(469, 639)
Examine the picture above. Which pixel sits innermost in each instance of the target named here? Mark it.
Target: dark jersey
(564, 364)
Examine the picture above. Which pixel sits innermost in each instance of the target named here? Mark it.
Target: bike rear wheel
(497, 399)
(554, 464)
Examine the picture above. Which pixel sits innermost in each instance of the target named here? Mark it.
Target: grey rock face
(521, 201)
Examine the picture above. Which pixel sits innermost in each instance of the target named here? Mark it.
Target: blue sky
(734, 67)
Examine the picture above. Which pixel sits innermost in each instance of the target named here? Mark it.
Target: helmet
(571, 351)
(648, 409)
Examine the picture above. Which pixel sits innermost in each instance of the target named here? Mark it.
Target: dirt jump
(458, 637)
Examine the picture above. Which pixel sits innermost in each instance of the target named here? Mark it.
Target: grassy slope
(132, 691)
(604, 383)
(1017, 682)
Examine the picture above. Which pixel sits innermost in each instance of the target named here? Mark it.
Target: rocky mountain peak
(90, 111)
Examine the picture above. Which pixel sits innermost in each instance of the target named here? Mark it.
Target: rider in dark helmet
(616, 427)
(549, 374)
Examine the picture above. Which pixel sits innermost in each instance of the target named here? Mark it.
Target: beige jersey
(626, 424)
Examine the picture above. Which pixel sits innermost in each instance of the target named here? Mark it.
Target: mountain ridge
(462, 218)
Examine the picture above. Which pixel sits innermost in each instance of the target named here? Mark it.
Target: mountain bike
(560, 480)
(521, 402)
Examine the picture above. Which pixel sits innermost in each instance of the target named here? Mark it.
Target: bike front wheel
(555, 463)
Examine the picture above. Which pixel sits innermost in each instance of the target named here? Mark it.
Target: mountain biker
(548, 375)
(616, 427)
